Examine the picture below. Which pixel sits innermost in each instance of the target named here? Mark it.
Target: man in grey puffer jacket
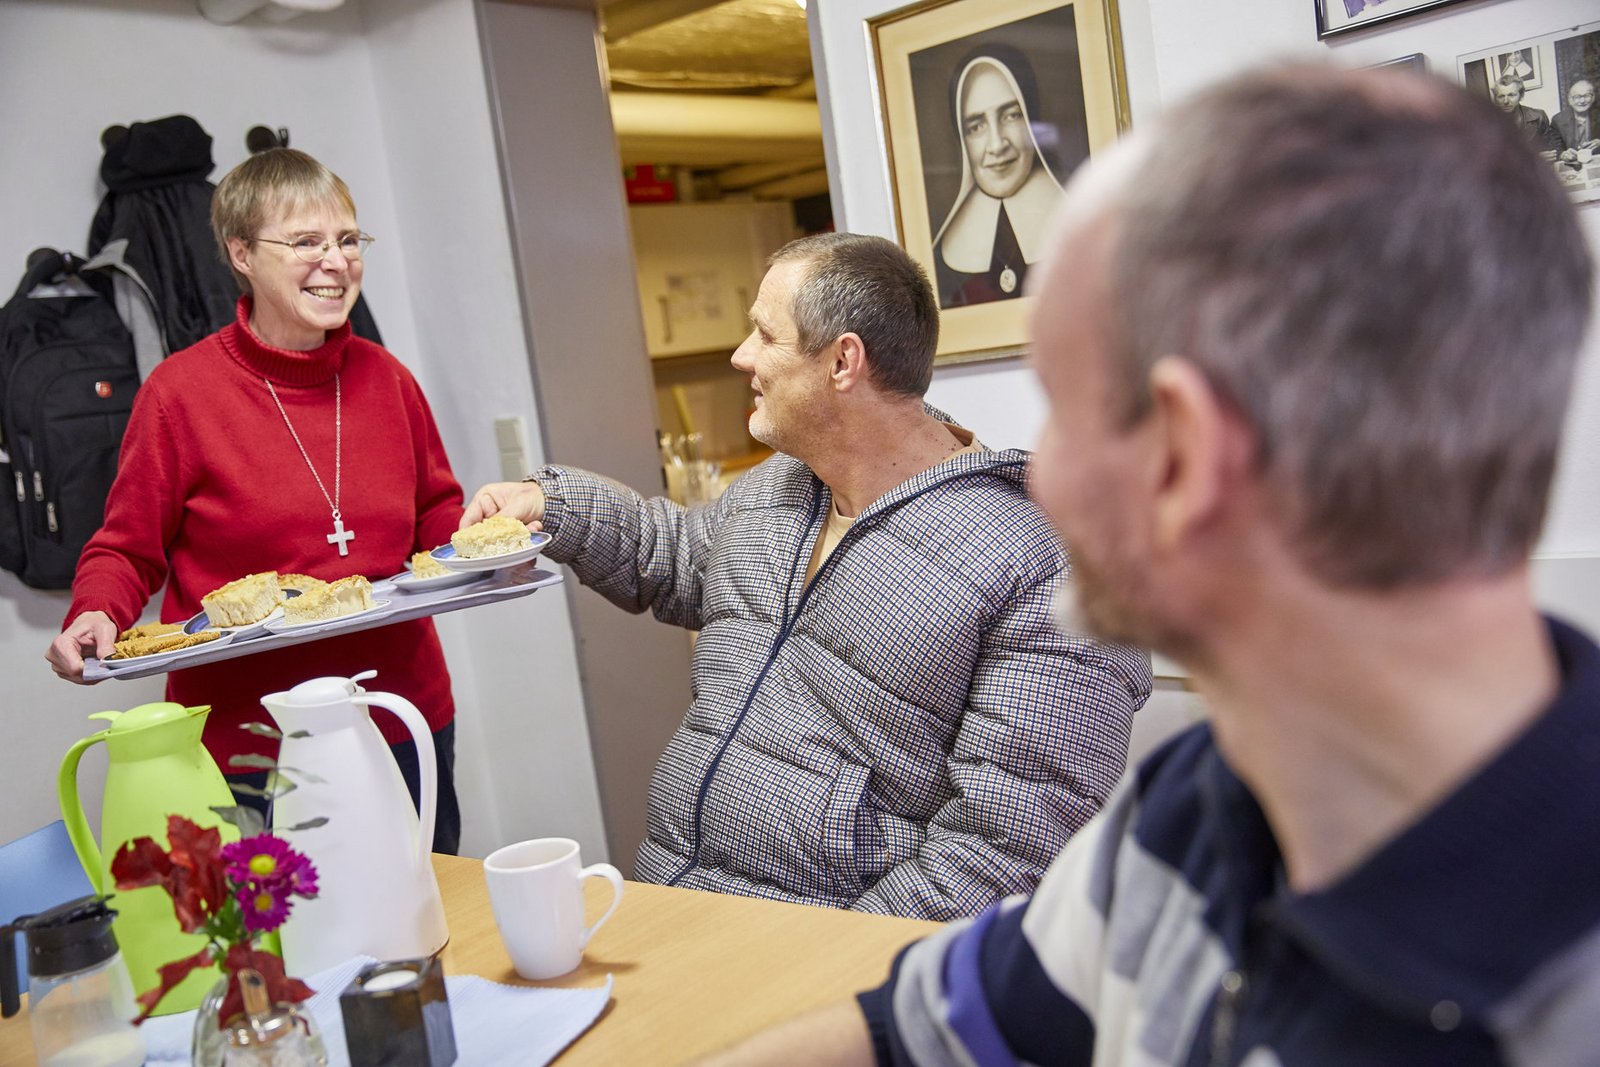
(884, 716)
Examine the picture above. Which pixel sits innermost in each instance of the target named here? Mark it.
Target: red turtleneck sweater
(210, 487)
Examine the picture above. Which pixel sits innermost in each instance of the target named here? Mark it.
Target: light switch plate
(511, 439)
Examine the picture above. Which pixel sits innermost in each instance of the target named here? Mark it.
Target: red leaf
(170, 975)
(280, 988)
(141, 862)
(201, 887)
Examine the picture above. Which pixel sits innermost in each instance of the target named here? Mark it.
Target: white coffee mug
(536, 889)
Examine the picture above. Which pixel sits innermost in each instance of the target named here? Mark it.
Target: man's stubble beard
(1093, 602)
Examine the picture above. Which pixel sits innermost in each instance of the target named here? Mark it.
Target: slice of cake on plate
(243, 601)
(299, 583)
(333, 600)
(423, 565)
(495, 536)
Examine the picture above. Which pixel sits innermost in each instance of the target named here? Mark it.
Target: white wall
(391, 95)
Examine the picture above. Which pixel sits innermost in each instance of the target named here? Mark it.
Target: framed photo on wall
(987, 107)
(1548, 86)
(1342, 16)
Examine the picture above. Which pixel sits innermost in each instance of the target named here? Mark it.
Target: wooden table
(693, 971)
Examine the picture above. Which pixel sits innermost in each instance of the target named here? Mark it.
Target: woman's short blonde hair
(276, 182)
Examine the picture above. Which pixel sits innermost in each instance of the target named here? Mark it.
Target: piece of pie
(423, 565)
(150, 629)
(243, 601)
(344, 597)
(145, 646)
(494, 536)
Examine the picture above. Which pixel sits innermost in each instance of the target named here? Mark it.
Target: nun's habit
(983, 250)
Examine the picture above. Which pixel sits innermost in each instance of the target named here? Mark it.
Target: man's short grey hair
(1512, 81)
(1382, 277)
(856, 283)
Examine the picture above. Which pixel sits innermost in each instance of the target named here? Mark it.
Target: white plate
(446, 555)
(282, 627)
(410, 583)
(155, 658)
(202, 621)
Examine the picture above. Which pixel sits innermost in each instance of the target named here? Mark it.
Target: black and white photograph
(997, 144)
(1520, 63)
(1555, 106)
(989, 107)
(1343, 16)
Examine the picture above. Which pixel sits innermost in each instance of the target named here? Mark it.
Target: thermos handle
(427, 769)
(72, 811)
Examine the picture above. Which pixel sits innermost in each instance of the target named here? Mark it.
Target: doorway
(720, 137)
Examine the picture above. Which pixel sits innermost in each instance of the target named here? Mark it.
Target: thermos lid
(147, 715)
(69, 937)
(327, 690)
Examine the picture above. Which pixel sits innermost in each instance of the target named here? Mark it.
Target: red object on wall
(645, 184)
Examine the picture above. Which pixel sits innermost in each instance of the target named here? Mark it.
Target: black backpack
(68, 373)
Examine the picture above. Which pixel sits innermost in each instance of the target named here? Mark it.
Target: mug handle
(612, 875)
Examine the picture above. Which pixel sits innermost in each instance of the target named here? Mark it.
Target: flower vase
(209, 1046)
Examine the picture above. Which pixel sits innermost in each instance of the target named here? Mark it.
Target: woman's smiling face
(297, 303)
(995, 130)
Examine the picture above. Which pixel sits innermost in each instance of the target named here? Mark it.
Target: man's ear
(239, 255)
(1200, 453)
(849, 368)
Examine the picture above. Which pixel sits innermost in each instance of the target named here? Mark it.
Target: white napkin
(494, 1023)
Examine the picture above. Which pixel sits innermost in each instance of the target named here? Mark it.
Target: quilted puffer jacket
(909, 733)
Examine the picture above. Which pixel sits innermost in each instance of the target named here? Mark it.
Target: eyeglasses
(313, 248)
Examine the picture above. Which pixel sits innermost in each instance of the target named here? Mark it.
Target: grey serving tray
(491, 588)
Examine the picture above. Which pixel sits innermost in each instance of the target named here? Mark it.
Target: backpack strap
(136, 305)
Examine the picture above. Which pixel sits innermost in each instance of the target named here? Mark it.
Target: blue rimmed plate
(201, 621)
(410, 583)
(379, 607)
(446, 555)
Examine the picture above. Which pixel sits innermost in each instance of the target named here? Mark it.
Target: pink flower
(266, 861)
(265, 907)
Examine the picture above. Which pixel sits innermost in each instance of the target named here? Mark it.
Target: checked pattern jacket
(909, 733)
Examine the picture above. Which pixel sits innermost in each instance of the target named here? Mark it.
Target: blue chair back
(37, 872)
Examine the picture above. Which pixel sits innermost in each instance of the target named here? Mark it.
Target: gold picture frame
(987, 106)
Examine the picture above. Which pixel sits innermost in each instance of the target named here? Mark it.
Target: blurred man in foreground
(1301, 434)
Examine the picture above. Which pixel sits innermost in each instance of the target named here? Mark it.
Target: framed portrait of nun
(987, 107)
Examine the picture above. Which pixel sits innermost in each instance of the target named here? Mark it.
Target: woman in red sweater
(246, 451)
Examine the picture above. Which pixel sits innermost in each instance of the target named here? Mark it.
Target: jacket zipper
(733, 728)
(784, 630)
(1231, 991)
